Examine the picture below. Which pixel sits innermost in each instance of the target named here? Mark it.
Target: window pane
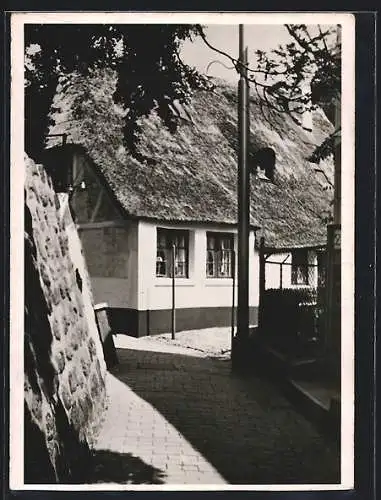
(181, 242)
(166, 238)
(161, 263)
(299, 268)
(299, 258)
(181, 255)
(181, 262)
(302, 275)
(210, 263)
(225, 263)
(180, 269)
(211, 242)
(161, 240)
(226, 243)
(219, 248)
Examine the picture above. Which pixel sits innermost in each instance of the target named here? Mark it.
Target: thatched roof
(192, 174)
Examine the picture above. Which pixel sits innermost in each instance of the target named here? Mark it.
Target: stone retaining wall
(63, 357)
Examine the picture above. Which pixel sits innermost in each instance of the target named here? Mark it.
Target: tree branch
(236, 63)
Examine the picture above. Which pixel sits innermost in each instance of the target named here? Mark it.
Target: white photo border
(18, 20)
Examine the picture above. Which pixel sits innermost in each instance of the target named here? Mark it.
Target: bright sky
(225, 38)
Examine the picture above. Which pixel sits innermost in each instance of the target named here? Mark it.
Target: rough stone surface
(64, 365)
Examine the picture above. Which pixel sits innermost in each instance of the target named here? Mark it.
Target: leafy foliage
(291, 79)
(297, 330)
(151, 74)
(325, 149)
(297, 77)
(301, 76)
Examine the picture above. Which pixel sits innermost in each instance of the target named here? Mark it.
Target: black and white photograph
(182, 267)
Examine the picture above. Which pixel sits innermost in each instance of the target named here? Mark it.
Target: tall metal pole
(173, 292)
(262, 281)
(243, 195)
(233, 300)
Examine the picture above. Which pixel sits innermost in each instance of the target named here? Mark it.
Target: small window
(219, 255)
(299, 268)
(167, 239)
(321, 269)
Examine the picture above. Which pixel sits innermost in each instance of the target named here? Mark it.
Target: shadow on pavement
(242, 426)
(113, 467)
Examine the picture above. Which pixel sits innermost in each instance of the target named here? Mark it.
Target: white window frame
(220, 257)
(164, 253)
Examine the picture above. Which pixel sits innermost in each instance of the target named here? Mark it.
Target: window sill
(189, 282)
(167, 282)
(218, 282)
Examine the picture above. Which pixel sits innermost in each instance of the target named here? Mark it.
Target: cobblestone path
(176, 418)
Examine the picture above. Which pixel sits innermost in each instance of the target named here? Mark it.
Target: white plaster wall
(197, 290)
(116, 291)
(272, 271)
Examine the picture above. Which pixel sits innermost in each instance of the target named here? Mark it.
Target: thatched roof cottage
(180, 190)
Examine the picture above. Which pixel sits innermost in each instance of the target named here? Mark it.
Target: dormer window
(264, 162)
(261, 175)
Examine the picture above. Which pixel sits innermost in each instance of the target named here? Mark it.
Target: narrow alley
(177, 415)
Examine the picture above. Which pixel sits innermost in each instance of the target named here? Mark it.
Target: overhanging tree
(297, 77)
(292, 79)
(146, 58)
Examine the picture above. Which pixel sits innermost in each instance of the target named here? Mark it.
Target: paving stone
(196, 423)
